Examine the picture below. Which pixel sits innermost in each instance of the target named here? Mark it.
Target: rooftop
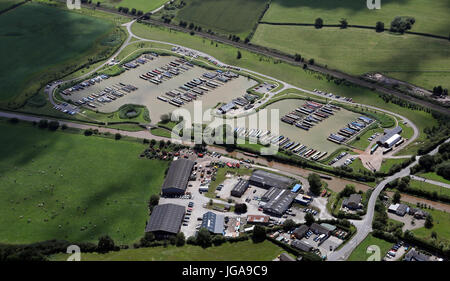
(166, 217)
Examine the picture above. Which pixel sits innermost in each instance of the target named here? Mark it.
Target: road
(364, 227)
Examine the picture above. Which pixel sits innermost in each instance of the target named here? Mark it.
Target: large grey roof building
(280, 201)
(177, 177)
(213, 222)
(267, 180)
(302, 246)
(165, 220)
(240, 188)
(389, 138)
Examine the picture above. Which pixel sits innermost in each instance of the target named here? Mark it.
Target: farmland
(356, 12)
(73, 187)
(223, 16)
(368, 52)
(238, 251)
(72, 37)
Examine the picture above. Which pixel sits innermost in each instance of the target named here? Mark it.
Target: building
(328, 226)
(398, 209)
(300, 231)
(280, 201)
(296, 187)
(414, 255)
(302, 246)
(240, 188)
(267, 180)
(177, 178)
(319, 229)
(286, 257)
(213, 222)
(226, 107)
(390, 137)
(353, 202)
(303, 199)
(258, 219)
(165, 220)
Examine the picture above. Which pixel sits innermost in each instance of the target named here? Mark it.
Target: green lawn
(357, 51)
(287, 72)
(363, 141)
(139, 5)
(386, 164)
(415, 184)
(56, 185)
(407, 131)
(223, 16)
(431, 17)
(61, 42)
(434, 176)
(238, 251)
(357, 165)
(161, 132)
(441, 221)
(5, 4)
(360, 253)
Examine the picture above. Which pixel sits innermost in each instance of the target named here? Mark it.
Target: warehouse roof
(178, 174)
(317, 228)
(302, 246)
(166, 217)
(280, 201)
(389, 133)
(213, 222)
(257, 219)
(239, 188)
(270, 179)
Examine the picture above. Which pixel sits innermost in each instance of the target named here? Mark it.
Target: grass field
(5, 4)
(139, 5)
(56, 185)
(389, 162)
(434, 176)
(363, 141)
(357, 166)
(238, 251)
(415, 184)
(357, 51)
(360, 253)
(223, 16)
(441, 221)
(62, 41)
(431, 17)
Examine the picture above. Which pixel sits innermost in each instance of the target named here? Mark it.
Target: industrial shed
(302, 246)
(267, 180)
(390, 137)
(240, 188)
(165, 220)
(213, 222)
(280, 201)
(177, 178)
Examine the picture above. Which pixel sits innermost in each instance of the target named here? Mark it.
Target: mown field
(56, 185)
(238, 251)
(434, 176)
(360, 253)
(420, 185)
(40, 43)
(358, 51)
(431, 17)
(223, 16)
(441, 227)
(287, 72)
(139, 5)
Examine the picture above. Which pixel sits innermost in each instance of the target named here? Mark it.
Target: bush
(88, 132)
(117, 136)
(14, 120)
(240, 208)
(43, 124)
(105, 244)
(53, 125)
(203, 238)
(259, 234)
(180, 240)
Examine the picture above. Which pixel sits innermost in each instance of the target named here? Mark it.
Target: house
(300, 231)
(177, 178)
(398, 209)
(165, 220)
(353, 202)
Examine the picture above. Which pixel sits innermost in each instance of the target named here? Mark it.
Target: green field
(61, 42)
(387, 163)
(223, 16)
(287, 72)
(5, 4)
(431, 17)
(358, 51)
(441, 221)
(434, 176)
(363, 141)
(58, 185)
(139, 5)
(419, 185)
(238, 251)
(357, 165)
(360, 253)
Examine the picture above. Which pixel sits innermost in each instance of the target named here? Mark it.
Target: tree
(165, 118)
(218, 240)
(117, 136)
(397, 197)
(311, 61)
(348, 190)
(429, 221)
(105, 244)
(43, 124)
(148, 238)
(318, 23)
(344, 23)
(309, 218)
(153, 201)
(259, 234)
(180, 240)
(297, 57)
(239, 55)
(379, 27)
(53, 125)
(315, 184)
(427, 162)
(203, 238)
(288, 225)
(240, 208)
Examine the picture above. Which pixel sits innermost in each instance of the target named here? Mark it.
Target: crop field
(360, 253)
(238, 251)
(224, 16)
(56, 185)
(358, 51)
(62, 41)
(431, 17)
(139, 5)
